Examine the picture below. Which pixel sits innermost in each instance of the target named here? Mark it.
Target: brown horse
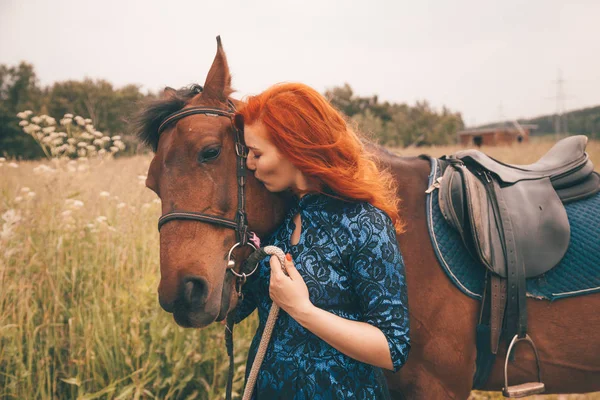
(194, 168)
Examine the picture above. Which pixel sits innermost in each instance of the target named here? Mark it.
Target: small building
(496, 136)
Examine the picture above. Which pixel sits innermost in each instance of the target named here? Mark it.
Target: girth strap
(516, 308)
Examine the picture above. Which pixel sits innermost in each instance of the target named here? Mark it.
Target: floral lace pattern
(349, 258)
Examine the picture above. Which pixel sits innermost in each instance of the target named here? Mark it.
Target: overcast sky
(485, 59)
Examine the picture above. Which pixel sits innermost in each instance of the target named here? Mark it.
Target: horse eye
(209, 154)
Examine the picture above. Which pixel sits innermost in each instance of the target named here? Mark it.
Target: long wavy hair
(316, 139)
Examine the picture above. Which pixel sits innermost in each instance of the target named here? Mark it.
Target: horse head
(196, 171)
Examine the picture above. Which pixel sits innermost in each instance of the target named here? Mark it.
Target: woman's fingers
(290, 267)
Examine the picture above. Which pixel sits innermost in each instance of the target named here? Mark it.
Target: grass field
(79, 268)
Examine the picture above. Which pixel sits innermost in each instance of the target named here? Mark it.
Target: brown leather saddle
(512, 219)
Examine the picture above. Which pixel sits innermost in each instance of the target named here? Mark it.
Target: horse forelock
(153, 112)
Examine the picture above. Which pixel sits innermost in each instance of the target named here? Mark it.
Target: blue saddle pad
(577, 274)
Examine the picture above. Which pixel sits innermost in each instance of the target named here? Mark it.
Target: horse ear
(218, 80)
(168, 93)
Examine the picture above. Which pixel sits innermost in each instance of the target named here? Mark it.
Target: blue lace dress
(349, 258)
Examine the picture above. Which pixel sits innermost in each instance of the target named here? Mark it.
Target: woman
(345, 302)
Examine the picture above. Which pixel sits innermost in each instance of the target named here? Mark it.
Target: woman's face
(270, 167)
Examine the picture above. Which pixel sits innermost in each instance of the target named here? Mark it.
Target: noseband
(240, 223)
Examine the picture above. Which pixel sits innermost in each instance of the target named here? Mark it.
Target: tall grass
(79, 268)
(79, 316)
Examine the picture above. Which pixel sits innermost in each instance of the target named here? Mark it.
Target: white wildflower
(11, 216)
(104, 194)
(23, 123)
(28, 113)
(98, 142)
(50, 121)
(62, 134)
(82, 144)
(81, 152)
(32, 128)
(91, 147)
(13, 165)
(121, 205)
(46, 140)
(71, 140)
(25, 189)
(66, 121)
(106, 138)
(66, 213)
(101, 152)
(101, 219)
(18, 199)
(114, 149)
(117, 137)
(22, 115)
(88, 120)
(31, 195)
(68, 115)
(11, 220)
(36, 120)
(74, 204)
(57, 141)
(119, 144)
(48, 129)
(40, 169)
(89, 128)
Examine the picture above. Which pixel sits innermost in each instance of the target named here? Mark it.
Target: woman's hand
(288, 292)
(358, 340)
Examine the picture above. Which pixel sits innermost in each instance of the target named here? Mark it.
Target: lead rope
(267, 332)
(270, 324)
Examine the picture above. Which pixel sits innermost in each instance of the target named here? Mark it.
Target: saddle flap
(452, 199)
(476, 205)
(540, 224)
(465, 206)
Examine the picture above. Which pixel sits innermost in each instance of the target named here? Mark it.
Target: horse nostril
(168, 307)
(195, 291)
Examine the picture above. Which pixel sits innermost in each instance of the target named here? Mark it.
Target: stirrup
(524, 389)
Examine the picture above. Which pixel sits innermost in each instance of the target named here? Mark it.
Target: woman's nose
(250, 163)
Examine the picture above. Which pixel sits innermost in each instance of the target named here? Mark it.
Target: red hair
(314, 136)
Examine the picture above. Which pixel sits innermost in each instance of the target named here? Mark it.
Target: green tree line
(585, 121)
(394, 124)
(109, 107)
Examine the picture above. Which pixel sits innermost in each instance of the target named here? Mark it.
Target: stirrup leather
(524, 389)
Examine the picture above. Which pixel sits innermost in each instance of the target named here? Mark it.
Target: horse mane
(153, 112)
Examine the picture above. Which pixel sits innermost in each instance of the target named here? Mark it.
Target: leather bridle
(240, 223)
